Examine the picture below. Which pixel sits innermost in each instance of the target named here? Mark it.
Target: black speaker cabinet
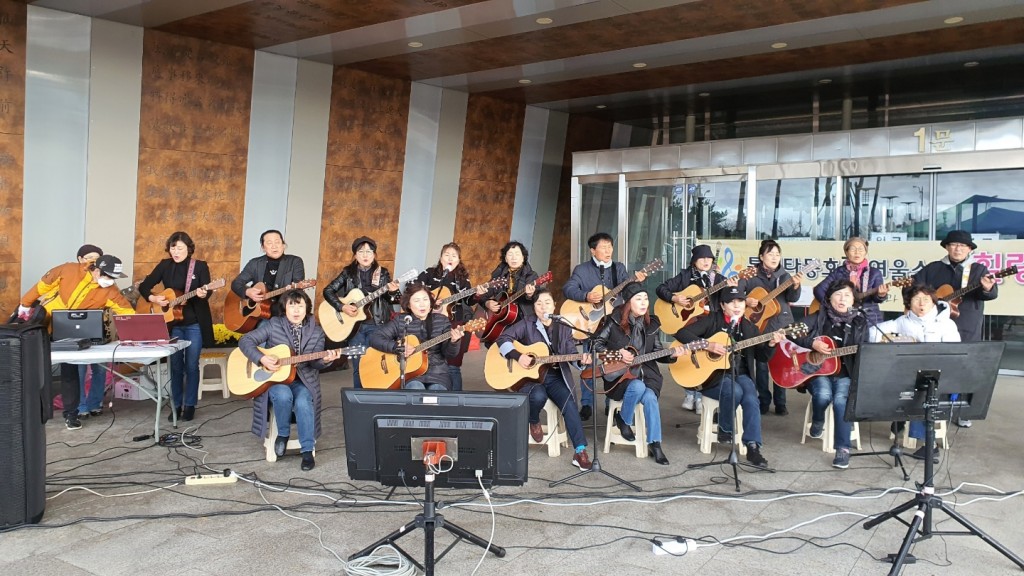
(25, 406)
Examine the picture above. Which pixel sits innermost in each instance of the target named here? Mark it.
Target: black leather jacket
(379, 311)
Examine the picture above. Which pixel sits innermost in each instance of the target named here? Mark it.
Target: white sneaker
(688, 402)
(698, 407)
(964, 423)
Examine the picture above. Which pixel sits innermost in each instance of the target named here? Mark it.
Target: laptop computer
(77, 325)
(142, 329)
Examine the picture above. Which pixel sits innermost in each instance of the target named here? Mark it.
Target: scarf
(857, 273)
(836, 317)
(296, 337)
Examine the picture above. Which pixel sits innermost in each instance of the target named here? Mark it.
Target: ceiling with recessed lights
(624, 60)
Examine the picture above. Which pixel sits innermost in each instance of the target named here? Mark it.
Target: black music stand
(901, 382)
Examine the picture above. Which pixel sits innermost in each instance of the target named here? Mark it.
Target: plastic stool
(612, 435)
(828, 438)
(553, 425)
(219, 361)
(707, 433)
(271, 437)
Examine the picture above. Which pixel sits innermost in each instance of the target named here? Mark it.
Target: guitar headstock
(543, 279)
(303, 284)
(475, 325)
(696, 345)
(1006, 272)
(811, 266)
(497, 283)
(796, 329)
(747, 273)
(219, 283)
(903, 282)
(353, 351)
(653, 266)
(407, 276)
(609, 356)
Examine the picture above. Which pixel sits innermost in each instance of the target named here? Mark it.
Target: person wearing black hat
(957, 270)
(721, 386)
(633, 331)
(183, 272)
(77, 286)
(366, 274)
(599, 270)
(701, 271)
(91, 403)
(274, 269)
(836, 320)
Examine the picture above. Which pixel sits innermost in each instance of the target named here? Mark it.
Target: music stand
(907, 388)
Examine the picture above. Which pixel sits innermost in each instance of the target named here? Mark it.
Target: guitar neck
(461, 295)
(560, 358)
(844, 351)
(279, 291)
(184, 297)
(752, 341)
(433, 341)
(304, 357)
(778, 290)
(962, 291)
(637, 360)
(709, 291)
(613, 293)
(371, 296)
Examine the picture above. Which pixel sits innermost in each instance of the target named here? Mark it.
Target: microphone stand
(595, 463)
(403, 328)
(733, 458)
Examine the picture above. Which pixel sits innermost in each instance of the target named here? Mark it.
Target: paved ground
(592, 526)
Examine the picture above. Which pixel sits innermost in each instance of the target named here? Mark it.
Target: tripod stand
(429, 520)
(896, 451)
(595, 464)
(920, 528)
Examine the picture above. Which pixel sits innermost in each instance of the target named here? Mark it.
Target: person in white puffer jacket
(926, 320)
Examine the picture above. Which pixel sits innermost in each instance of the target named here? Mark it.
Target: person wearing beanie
(367, 275)
(79, 285)
(633, 331)
(959, 269)
(702, 272)
(730, 392)
(557, 384)
(598, 271)
(839, 321)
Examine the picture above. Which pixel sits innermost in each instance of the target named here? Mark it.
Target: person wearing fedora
(600, 270)
(77, 286)
(721, 386)
(958, 269)
(366, 274)
(700, 271)
(633, 331)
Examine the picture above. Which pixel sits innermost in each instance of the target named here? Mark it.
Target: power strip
(210, 479)
(674, 547)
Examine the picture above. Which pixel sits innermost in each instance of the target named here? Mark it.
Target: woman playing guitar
(366, 274)
(514, 266)
(421, 321)
(633, 331)
(183, 273)
(450, 273)
(869, 287)
(838, 321)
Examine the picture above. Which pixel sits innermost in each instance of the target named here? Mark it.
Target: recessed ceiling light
(971, 64)
(544, 20)
(704, 94)
(779, 45)
(526, 81)
(954, 20)
(415, 44)
(640, 65)
(601, 106)
(825, 81)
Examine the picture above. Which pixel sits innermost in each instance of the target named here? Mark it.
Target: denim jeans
(92, 400)
(185, 366)
(586, 387)
(361, 337)
(455, 373)
(555, 388)
(777, 394)
(746, 397)
(829, 389)
(917, 429)
(417, 385)
(696, 395)
(637, 391)
(286, 398)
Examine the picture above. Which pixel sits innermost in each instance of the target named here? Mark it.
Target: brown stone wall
(487, 184)
(193, 150)
(365, 160)
(13, 27)
(584, 133)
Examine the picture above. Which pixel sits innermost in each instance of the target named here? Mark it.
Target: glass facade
(796, 208)
(894, 207)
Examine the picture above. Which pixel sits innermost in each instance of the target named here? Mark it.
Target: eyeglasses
(364, 251)
(921, 299)
(957, 246)
(856, 249)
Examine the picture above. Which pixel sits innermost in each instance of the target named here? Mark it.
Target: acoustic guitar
(380, 370)
(955, 297)
(674, 316)
(172, 311)
(508, 311)
(703, 364)
(860, 296)
(242, 314)
(794, 366)
(506, 374)
(251, 379)
(445, 299)
(621, 372)
(587, 315)
(767, 302)
(337, 325)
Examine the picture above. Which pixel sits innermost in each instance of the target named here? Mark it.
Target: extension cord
(674, 547)
(210, 479)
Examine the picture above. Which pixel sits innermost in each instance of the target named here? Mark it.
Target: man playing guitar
(274, 269)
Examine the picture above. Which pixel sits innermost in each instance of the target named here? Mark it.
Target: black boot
(586, 412)
(654, 451)
(170, 417)
(625, 430)
(188, 413)
(280, 443)
(308, 463)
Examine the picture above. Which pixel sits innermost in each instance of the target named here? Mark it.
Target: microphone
(447, 270)
(555, 317)
(407, 319)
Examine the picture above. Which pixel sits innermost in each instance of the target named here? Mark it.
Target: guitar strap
(188, 275)
(965, 277)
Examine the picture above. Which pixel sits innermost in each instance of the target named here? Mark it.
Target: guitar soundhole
(714, 357)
